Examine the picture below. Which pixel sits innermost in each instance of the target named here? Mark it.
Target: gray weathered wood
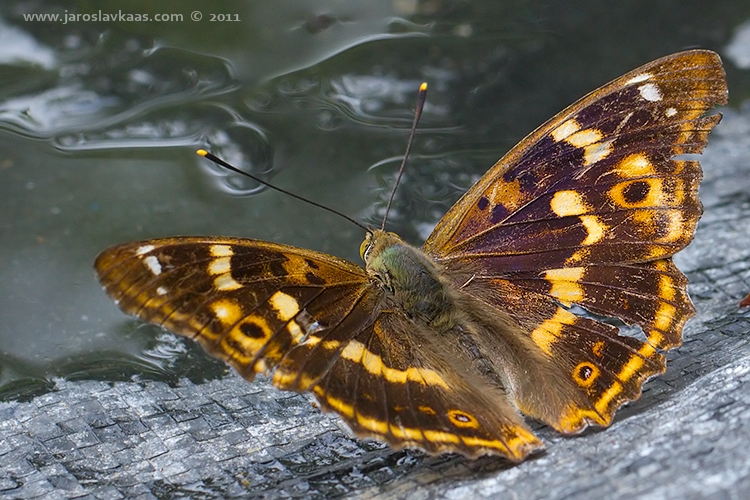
(687, 437)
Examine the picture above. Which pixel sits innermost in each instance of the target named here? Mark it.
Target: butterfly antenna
(219, 161)
(418, 113)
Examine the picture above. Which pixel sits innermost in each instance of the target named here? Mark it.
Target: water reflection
(99, 123)
(87, 97)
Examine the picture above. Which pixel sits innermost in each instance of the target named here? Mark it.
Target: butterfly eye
(364, 248)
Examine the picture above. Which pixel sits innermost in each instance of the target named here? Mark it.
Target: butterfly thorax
(409, 279)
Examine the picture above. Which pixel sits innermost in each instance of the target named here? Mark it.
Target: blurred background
(101, 113)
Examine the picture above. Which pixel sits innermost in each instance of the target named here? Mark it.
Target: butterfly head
(373, 253)
(383, 253)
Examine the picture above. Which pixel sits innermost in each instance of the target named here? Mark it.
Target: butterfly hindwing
(387, 379)
(606, 367)
(652, 294)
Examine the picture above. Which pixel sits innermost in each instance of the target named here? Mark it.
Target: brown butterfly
(439, 347)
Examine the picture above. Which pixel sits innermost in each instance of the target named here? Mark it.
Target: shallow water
(99, 122)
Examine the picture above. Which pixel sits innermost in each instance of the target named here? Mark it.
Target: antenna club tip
(423, 87)
(202, 152)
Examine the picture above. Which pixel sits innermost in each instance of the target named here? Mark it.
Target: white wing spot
(227, 311)
(566, 129)
(565, 203)
(161, 290)
(221, 251)
(650, 92)
(584, 138)
(596, 152)
(220, 265)
(144, 249)
(225, 283)
(286, 305)
(152, 262)
(639, 78)
(670, 112)
(594, 227)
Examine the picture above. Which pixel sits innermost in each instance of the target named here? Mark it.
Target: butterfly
(447, 347)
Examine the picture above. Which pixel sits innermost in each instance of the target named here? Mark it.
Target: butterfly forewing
(628, 129)
(245, 301)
